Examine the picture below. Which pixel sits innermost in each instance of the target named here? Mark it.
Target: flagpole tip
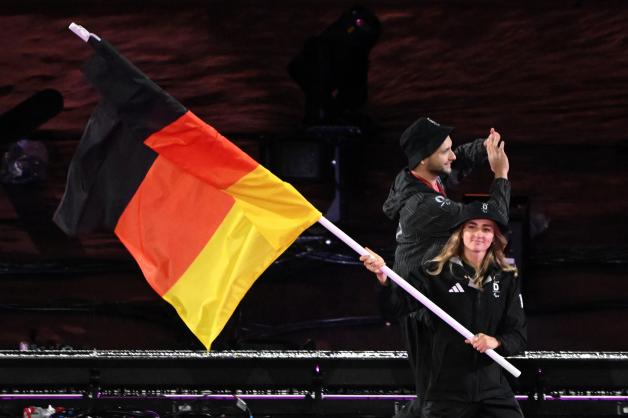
(81, 32)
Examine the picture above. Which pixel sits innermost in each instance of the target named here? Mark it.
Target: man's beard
(439, 170)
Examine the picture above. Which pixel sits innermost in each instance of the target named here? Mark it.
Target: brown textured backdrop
(551, 76)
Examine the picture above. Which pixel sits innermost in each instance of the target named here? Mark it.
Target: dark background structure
(551, 76)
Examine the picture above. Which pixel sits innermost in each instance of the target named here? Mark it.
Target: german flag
(202, 219)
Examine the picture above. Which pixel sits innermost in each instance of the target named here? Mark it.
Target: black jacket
(453, 370)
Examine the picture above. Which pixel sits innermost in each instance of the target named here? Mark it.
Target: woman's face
(477, 235)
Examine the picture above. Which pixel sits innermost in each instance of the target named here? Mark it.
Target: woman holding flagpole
(472, 281)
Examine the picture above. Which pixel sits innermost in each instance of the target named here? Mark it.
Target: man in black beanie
(418, 201)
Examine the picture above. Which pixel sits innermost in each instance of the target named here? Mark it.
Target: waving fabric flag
(202, 219)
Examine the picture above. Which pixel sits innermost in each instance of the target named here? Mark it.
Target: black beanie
(422, 138)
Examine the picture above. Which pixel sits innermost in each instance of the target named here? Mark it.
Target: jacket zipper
(476, 354)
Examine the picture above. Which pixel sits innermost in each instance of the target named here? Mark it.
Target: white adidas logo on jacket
(456, 289)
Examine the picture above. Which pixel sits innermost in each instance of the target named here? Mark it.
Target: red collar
(438, 188)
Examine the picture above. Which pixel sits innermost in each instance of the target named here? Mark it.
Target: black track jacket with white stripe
(455, 371)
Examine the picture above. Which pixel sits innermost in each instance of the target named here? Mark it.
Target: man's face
(440, 160)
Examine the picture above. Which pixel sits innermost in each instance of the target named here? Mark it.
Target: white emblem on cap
(485, 207)
(433, 121)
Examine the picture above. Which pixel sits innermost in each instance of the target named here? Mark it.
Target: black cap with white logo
(482, 210)
(422, 138)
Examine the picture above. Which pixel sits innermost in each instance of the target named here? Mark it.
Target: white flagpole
(419, 296)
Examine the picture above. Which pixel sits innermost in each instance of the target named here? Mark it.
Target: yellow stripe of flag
(268, 215)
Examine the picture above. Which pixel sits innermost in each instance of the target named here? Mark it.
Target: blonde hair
(494, 256)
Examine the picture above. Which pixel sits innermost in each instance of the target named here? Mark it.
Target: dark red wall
(551, 76)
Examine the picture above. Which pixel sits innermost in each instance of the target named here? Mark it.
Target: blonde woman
(472, 281)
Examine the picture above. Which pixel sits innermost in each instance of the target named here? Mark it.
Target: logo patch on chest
(442, 201)
(496, 290)
(456, 289)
